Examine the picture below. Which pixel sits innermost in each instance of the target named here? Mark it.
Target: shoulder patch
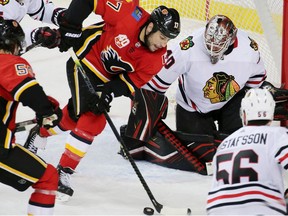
(253, 44)
(186, 43)
(23, 70)
(137, 13)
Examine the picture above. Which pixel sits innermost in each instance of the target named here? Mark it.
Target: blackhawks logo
(4, 2)
(186, 43)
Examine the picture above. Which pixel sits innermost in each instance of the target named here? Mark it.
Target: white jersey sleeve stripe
(236, 195)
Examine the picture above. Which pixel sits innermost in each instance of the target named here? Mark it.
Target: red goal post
(285, 45)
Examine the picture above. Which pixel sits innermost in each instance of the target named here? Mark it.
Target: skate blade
(61, 197)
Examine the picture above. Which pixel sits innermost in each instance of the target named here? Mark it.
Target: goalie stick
(159, 207)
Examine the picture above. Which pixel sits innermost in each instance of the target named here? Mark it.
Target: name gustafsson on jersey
(257, 138)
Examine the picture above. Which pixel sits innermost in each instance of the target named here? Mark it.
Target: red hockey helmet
(220, 33)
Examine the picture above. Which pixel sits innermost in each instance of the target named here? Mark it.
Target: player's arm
(69, 20)
(31, 94)
(174, 66)
(44, 11)
(75, 17)
(24, 88)
(259, 74)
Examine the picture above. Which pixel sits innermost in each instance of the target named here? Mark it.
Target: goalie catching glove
(280, 96)
(51, 119)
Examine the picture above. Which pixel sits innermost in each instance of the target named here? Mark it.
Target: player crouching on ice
(213, 76)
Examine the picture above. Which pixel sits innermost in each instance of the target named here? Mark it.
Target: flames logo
(113, 63)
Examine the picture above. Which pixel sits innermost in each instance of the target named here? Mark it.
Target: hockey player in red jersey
(248, 165)
(19, 168)
(118, 55)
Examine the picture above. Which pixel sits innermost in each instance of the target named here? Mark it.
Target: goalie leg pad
(171, 152)
(148, 108)
(201, 145)
(135, 147)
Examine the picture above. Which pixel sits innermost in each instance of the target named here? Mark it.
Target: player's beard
(147, 41)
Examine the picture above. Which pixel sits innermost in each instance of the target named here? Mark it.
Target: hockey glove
(57, 14)
(279, 94)
(114, 88)
(45, 36)
(100, 102)
(70, 34)
(52, 119)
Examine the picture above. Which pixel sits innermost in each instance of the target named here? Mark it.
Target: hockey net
(262, 19)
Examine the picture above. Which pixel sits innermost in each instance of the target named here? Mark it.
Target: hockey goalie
(214, 66)
(149, 138)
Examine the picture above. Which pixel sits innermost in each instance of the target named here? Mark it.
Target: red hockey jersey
(16, 77)
(119, 48)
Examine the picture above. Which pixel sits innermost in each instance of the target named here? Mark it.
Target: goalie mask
(166, 20)
(258, 104)
(11, 35)
(219, 34)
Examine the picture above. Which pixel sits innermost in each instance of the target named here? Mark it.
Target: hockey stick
(21, 126)
(159, 207)
(32, 46)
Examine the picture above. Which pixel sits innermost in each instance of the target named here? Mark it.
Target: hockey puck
(148, 211)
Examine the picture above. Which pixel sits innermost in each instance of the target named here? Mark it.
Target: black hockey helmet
(11, 34)
(166, 20)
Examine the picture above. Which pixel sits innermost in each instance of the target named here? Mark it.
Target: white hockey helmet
(258, 104)
(219, 34)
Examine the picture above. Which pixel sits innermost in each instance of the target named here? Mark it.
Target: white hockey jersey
(40, 10)
(247, 172)
(204, 86)
(16, 9)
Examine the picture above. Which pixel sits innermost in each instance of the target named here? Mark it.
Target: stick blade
(175, 211)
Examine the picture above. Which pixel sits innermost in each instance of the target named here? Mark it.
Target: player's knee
(68, 121)
(49, 180)
(92, 124)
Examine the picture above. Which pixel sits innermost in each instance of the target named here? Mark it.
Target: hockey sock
(69, 159)
(42, 200)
